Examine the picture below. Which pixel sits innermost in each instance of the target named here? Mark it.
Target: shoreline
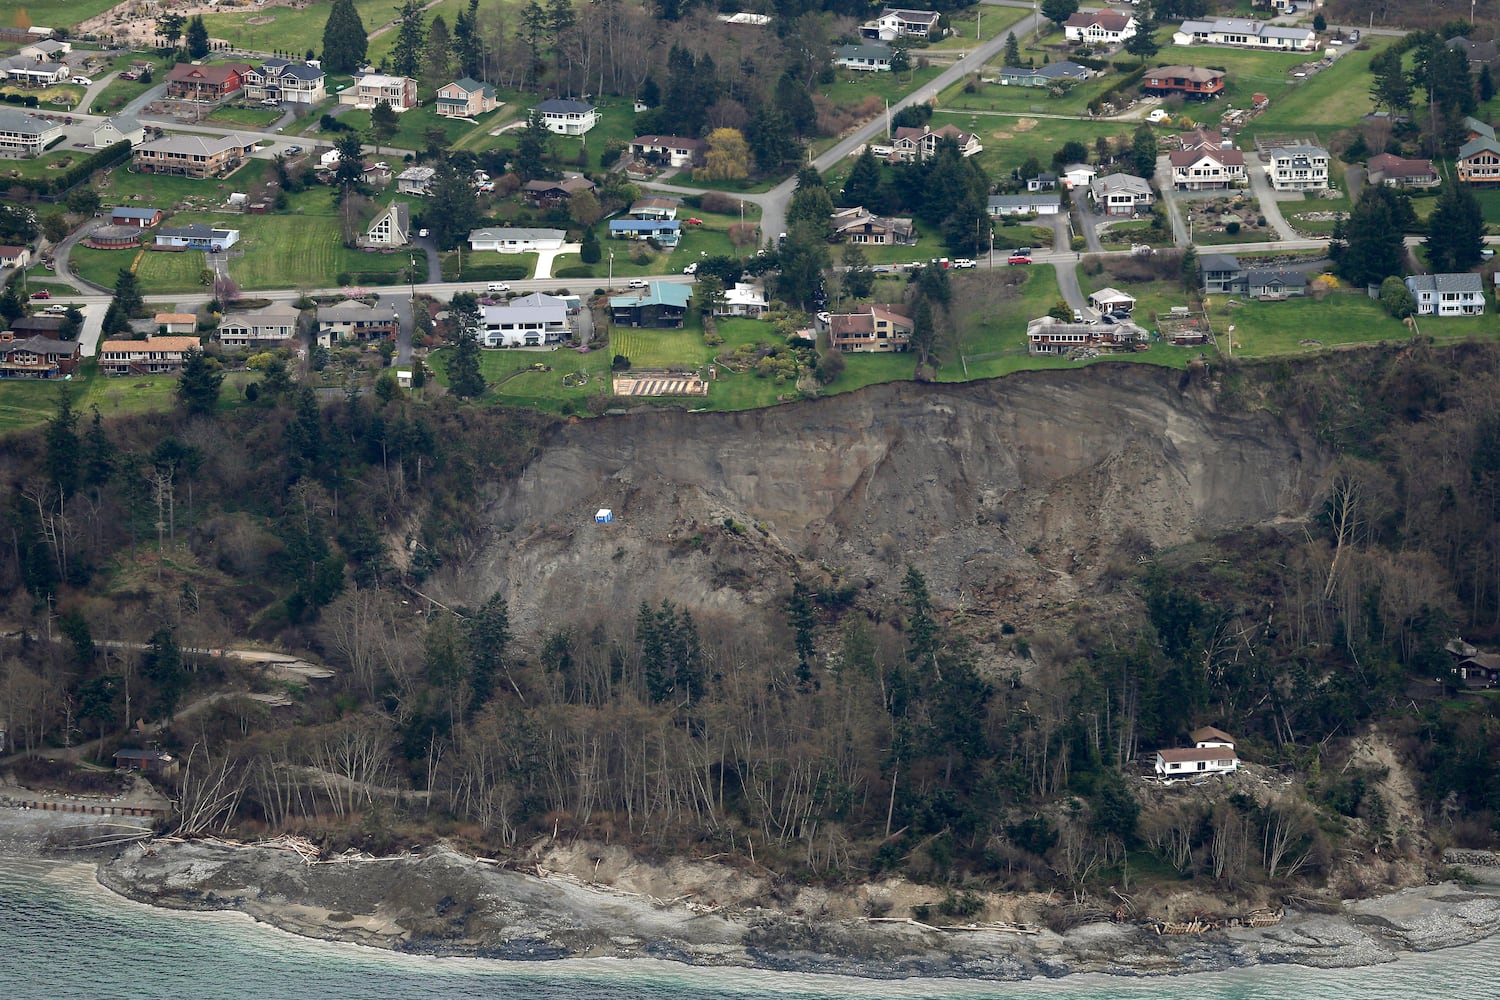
(444, 904)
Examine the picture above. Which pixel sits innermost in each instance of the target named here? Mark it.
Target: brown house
(36, 357)
(874, 329)
(187, 82)
(1191, 81)
(1397, 171)
(152, 356)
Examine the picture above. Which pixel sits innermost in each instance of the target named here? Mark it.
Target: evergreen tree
(1192, 275)
(531, 149)
(98, 453)
(116, 320)
(411, 35)
(1143, 44)
(198, 386)
(1143, 152)
(351, 164)
(811, 204)
(862, 187)
(383, 125)
(163, 668)
(1391, 87)
(650, 92)
(64, 450)
(1486, 84)
(197, 37)
(128, 292)
(770, 140)
(859, 280)
(921, 623)
(465, 377)
(1455, 230)
(803, 258)
(590, 252)
(795, 103)
(923, 330)
(12, 306)
(1372, 244)
(437, 67)
(488, 635)
(453, 206)
(804, 621)
(467, 46)
(1058, 11)
(1012, 51)
(345, 41)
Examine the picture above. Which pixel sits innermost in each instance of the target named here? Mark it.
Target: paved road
(94, 90)
(1266, 196)
(1065, 263)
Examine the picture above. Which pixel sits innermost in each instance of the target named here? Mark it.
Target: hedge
(574, 271)
(499, 271)
(79, 172)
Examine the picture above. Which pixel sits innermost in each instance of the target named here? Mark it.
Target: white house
(744, 299)
(266, 328)
(1173, 765)
(568, 117)
(22, 134)
(893, 23)
(415, 180)
(912, 144)
(1297, 168)
(286, 81)
(391, 227)
(1245, 33)
(1121, 194)
(1447, 294)
(868, 57)
(1077, 175)
(120, 128)
(674, 151)
(1100, 27)
(509, 240)
(529, 321)
(1207, 168)
(1032, 203)
(400, 92)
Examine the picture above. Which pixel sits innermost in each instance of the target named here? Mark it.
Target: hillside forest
(835, 732)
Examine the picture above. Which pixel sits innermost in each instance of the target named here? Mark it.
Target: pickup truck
(1019, 258)
(962, 263)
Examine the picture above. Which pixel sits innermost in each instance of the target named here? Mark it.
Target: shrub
(1232, 227)
(574, 271)
(719, 203)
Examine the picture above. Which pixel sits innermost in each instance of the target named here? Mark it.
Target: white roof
(376, 80)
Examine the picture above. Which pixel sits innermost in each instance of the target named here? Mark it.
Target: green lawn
(1246, 73)
(1008, 142)
(1306, 326)
(124, 186)
(994, 97)
(121, 92)
(969, 28)
(851, 87)
(28, 403)
(52, 99)
(1333, 99)
(53, 13)
(252, 115)
(59, 159)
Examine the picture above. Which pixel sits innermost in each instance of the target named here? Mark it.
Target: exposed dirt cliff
(1017, 490)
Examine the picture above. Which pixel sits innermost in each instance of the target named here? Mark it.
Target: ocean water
(64, 936)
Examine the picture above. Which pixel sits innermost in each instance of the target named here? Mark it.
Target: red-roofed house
(1397, 171)
(187, 82)
(875, 330)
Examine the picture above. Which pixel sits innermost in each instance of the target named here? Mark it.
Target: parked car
(695, 222)
(1159, 115)
(691, 268)
(129, 75)
(43, 294)
(1486, 253)
(424, 233)
(639, 283)
(962, 262)
(1078, 315)
(293, 150)
(271, 102)
(1107, 319)
(1019, 258)
(83, 81)
(495, 286)
(57, 308)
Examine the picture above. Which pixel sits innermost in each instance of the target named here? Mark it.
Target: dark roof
(1218, 262)
(143, 755)
(560, 107)
(1266, 275)
(40, 324)
(42, 345)
(193, 231)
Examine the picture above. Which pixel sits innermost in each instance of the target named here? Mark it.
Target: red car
(695, 222)
(43, 294)
(1017, 258)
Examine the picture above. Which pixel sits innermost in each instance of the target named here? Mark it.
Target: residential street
(1265, 195)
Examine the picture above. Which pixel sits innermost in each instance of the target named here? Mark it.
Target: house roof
(1257, 277)
(1476, 51)
(1465, 282)
(349, 311)
(1065, 69)
(125, 212)
(919, 134)
(1110, 295)
(381, 80)
(1218, 262)
(658, 293)
(874, 51)
(121, 124)
(300, 71)
(173, 318)
(509, 233)
(1399, 166)
(158, 756)
(1484, 661)
(196, 145)
(275, 314)
(469, 85)
(1118, 183)
(539, 299)
(555, 106)
(1187, 157)
(529, 312)
(914, 16)
(1479, 127)
(43, 345)
(1191, 755)
(8, 252)
(45, 323)
(1109, 20)
(1298, 149)
(1034, 199)
(1195, 74)
(1206, 734)
(858, 323)
(644, 225)
(192, 231)
(655, 201)
(1483, 144)
(417, 174)
(149, 344)
(188, 73)
(12, 120)
(667, 141)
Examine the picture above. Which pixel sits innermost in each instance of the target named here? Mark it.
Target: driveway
(1086, 220)
(1266, 196)
(544, 258)
(95, 89)
(1067, 270)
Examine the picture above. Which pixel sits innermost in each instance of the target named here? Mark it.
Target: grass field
(1008, 142)
(1306, 326)
(969, 28)
(119, 93)
(251, 115)
(123, 186)
(28, 403)
(53, 13)
(1336, 98)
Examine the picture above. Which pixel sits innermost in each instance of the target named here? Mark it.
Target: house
(152, 356)
(1077, 175)
(1174, 765)
(855, 225)
(1206, 737)
(894, 23)
(662, 304)
(1044, 181)
(1477, 129)
(567, 117)
(1397, 171)
(261, 329)
(655, 207)
(28, 72)
(196, 236)
(1274, 283)
(870, 57)
(509, 240)
(1297, 168)
(377, 175)
(1207, 169)
(1221, 274)
(667, 232)
(1447, 294)
(913, 144)
(876, 329)
(1040, 203)
(286, 81)
(415, 180)
(744, 299)
(1047, 335)
(1120, 194)
(545, 193)
(1099, 27)
(1478, 53)
(352, 320)
(400, 92)
(22, 134)
(391, 227)
(187, 82)
(668, 150)
(47, 50)
(1202, 138)
(37, 357)
(157, 762)
(1479, 161)
(120, 128)
(14, 256)
(1191, 81)
(1479, 670)
(141, 218)
(466, 98)
(529, 321)
(193, 155)
(176, 322)
(44, 325)
(1049, 75)
(1243, 32)
(1112, 302)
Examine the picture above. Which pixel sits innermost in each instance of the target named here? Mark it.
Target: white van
(497, 286)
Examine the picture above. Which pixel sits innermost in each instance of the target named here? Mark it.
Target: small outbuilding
(604, 516)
